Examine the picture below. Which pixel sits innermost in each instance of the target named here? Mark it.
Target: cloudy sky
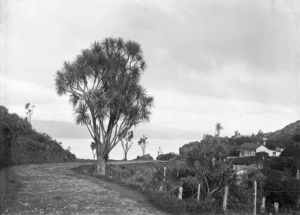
(233, 62)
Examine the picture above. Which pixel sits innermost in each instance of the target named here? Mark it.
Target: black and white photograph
(150, 107)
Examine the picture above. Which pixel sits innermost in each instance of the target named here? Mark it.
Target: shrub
(167, 157)
(243, 160)
(281, 187)
(261, 155)
(144, 157)
(190, 187)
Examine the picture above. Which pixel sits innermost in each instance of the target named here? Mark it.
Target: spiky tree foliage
(143, 144)
(208, 161)
(103, 84)
(126, 143)
(29, 111)
(218, 128)
(93, 147)
(237, 133)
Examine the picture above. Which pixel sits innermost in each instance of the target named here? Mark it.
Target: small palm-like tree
(237, 133)
(143, 144)
(126, 143)
(29, 111)
(219, 127)
(93, 147)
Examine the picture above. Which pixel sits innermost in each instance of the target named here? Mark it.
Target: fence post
(198, 194)
(180, 193)
(276, 207)
(254, 197)
(263, 205)
(225, 199)
(165, 170)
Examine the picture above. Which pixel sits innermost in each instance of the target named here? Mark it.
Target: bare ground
(56, 189)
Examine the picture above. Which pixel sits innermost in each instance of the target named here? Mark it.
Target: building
(250, 149)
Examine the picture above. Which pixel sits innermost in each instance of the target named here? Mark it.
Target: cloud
(14, 94)
(236, 62)
(174, 111)
(211, 38)
(16, 91)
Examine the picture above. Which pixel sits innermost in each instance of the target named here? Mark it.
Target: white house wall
(270, 152)
(246, 153)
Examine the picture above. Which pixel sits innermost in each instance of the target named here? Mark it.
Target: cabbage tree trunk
(101, 165)
(101, 162)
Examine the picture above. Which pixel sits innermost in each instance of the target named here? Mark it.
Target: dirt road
(56, 189)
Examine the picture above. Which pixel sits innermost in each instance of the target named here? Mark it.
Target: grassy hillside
(284, 137)
(21, 144)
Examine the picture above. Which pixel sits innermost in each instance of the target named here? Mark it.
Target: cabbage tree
(103, 84)
(126, 143)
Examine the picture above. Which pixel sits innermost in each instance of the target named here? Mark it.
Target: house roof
(248, 147)
(278, 149)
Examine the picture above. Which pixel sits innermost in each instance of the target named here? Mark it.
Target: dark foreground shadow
(8, 187)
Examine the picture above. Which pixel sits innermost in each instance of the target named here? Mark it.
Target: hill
(284, 137)
(21, 144)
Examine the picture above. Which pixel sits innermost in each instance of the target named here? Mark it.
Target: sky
(235, 62)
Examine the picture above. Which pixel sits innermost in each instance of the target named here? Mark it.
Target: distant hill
(283, 137)
(21, 144)
(61, 129)
(58, 129)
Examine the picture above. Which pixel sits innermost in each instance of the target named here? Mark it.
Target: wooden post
(180, 193)
(162, 187)
(225, 199)
(254, 198)
(263, 205)
(198, 194)
(276, 207)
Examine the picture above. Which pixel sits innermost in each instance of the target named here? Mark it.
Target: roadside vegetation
(207, 165)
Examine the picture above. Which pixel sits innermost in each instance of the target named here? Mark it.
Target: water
(81, 147)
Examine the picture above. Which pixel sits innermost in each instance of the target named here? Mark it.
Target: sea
(81, 147)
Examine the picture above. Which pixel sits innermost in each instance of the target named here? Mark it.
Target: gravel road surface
(56, 189)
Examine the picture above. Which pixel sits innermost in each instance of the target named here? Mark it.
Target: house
(250, 149)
